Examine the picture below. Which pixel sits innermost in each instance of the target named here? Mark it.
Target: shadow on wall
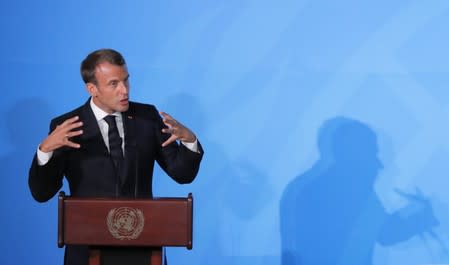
(330, 214)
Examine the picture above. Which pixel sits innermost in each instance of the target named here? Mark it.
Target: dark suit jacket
(90, 171)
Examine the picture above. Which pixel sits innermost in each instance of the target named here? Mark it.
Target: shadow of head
(347, 142)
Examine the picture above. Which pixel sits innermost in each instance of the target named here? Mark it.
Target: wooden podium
(149, 223)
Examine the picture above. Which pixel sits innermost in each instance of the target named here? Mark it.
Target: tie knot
(110, 120)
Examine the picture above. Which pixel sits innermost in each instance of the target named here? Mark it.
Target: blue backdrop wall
(325, 123)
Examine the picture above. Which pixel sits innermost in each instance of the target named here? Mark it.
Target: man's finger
(173, 123)
(169, 130)
(75, 125)
(72, 144)
(74, 133)
(169, 141)
(70, 120)
(165, 115)
(168, 120)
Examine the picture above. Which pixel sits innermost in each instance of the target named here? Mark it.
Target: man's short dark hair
(97, 57)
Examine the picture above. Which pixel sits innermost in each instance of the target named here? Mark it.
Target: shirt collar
(99, 113)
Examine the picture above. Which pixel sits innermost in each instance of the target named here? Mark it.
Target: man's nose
(124, 88)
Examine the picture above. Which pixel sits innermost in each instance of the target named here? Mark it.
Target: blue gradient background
(261, 83)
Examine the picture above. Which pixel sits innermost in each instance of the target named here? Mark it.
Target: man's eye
(113, 84)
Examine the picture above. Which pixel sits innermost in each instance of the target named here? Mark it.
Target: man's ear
(91, 89)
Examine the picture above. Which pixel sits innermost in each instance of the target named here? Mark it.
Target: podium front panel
(103, 222)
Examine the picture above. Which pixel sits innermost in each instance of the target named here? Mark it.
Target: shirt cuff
(191, 146)
(42, 157)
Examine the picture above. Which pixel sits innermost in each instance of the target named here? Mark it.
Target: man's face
(112, 89)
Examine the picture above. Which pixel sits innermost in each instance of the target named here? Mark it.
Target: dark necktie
(115, 143)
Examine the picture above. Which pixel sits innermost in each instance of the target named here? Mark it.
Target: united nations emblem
(125, 223)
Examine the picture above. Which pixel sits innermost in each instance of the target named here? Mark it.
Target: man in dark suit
(107, 148)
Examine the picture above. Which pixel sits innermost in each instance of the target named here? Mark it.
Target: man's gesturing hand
(177, 130)
(59, 137)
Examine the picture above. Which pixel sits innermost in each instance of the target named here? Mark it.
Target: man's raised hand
(177, 130)
(61, 135)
